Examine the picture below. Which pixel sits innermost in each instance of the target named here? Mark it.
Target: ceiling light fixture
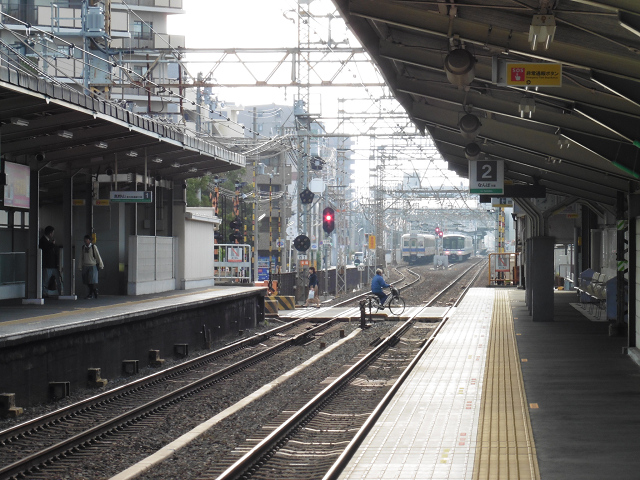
(102, 145)
(626, 26)
(175, 165)
(21, 122)
(563, 142)
(469, 126)
(193, 169)
(156, 160)
(542, 30)
(472, 151)
(132, 153)
(527, 105)
(459, 66)
(65, 134)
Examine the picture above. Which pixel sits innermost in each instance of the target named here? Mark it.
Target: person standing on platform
(313, 287)
(50, 267)
(90, 261)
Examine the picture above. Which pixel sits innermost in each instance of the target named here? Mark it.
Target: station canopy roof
(64, 132)
(577, 139)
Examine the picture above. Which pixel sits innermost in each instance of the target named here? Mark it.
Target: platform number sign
(486, 176)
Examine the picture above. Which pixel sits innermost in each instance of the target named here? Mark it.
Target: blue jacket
(378, 283)
(313, 280)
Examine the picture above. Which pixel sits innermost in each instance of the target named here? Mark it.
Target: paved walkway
(461, 413)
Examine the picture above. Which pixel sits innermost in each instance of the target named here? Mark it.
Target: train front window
(454, 243)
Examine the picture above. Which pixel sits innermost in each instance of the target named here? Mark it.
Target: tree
(198, 192)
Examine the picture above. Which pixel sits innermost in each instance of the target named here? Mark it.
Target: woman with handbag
(90, 261)
(313, 288)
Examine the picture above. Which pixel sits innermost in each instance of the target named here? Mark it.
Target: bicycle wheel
(396, 306)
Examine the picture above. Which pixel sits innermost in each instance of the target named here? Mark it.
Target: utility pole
(303, 127)
(199, 104)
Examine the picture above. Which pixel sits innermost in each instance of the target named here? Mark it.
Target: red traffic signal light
(328, 220)
(441, 233)
(437, 230)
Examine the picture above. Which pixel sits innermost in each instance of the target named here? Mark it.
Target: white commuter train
(457, 247)
(418, 247)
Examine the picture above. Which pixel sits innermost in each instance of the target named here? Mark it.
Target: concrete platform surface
(529, 400)
(17, 319)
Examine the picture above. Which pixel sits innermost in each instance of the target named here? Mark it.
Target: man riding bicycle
(377, 284)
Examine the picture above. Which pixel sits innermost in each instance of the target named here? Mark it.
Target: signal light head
(328, 220)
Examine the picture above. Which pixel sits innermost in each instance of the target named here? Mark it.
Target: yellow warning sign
(372, 242)
(534, 74)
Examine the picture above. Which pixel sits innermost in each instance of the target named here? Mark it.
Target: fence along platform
(232, 263)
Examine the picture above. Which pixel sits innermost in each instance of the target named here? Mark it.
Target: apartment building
(51, 35)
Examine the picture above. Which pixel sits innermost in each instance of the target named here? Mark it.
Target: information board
(534, 74)
(17, 190)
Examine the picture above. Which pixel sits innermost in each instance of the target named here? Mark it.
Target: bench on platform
(592, 291)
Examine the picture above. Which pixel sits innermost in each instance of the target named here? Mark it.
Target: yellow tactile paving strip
(505, 447)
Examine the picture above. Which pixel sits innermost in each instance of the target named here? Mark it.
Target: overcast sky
(266, 23)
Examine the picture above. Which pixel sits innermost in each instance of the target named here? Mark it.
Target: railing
(232, 263)
(504, 269)
(151, 3)
(13, 268)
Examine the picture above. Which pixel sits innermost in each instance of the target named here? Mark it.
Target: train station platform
(60, 340)
(23, 321)
(498, 396)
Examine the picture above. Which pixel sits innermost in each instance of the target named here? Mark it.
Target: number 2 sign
(486, 176)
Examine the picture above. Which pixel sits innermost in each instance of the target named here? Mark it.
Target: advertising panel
(17, 189)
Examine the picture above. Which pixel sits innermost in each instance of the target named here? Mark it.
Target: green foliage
(198, 187)
(203, 186)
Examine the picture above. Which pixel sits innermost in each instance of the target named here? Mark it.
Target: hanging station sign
(486, 176)
(130, 197)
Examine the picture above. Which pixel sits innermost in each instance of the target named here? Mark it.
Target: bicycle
(394, 302)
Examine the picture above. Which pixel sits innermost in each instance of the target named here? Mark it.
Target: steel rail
(35, 423)
(271, 442)
(346, 455)
(99, 431)
(362, 295)
(456, 280)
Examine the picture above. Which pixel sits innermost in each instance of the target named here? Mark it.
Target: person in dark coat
(50, 266)
(313, 285)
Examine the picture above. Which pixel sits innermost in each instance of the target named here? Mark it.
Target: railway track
(45, 442)
(50, 445)
(318, 439)
(401, 284)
